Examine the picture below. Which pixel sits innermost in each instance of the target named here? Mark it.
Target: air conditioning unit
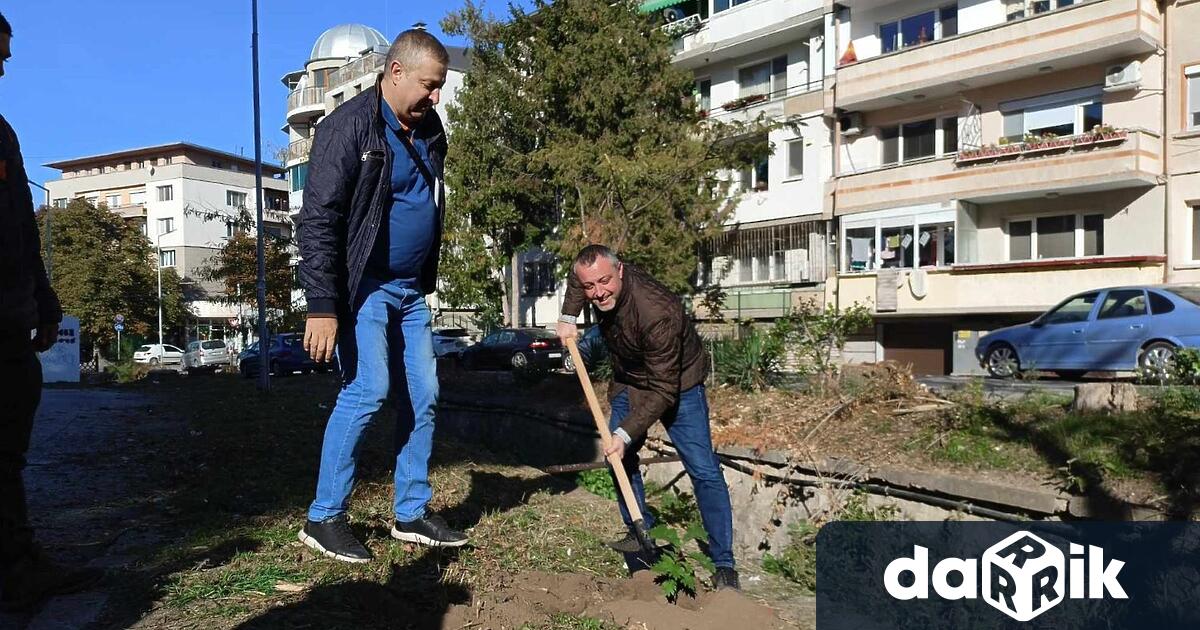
(1126, 76)
(851, 124)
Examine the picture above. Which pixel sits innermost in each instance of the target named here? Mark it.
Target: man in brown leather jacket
(659, 367)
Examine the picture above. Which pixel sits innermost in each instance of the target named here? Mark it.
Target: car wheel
(519, 361)
(1157, 361)
(568, 363)
(1002, 362)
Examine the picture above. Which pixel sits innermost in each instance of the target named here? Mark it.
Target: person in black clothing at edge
(27, 304)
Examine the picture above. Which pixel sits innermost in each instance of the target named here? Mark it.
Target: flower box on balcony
(1110, 137)
(745, 101)
(987, 153)
(1044, 146)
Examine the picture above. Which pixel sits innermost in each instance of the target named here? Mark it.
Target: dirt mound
(636, 602)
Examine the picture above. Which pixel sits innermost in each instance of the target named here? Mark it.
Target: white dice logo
(1023, 576)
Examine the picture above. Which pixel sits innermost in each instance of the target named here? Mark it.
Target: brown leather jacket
(655, 351)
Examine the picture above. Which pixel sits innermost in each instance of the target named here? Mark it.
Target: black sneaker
(726, 577)
(431, 531)
(628, 544)
(333, 538)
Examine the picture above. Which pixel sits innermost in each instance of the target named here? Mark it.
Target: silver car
(206, 355)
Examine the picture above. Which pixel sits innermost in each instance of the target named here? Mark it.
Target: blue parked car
(1116, 329)
(286, 354)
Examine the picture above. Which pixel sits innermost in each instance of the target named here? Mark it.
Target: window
(166, 193)
(887, 239)
(61, 202)
(137, 197)
(338, 99)
(915, 30)
(795, 158)
(935, 244)
(1196, 232)
(298, 174)
(1123, 303)
(704, 94)
(913, 141)
(1062, 114)
(166, 258)
(950, 135)
(235, 199)
(888, 37)
(93, 200)
(1192, 76)
(539, 278)
(273, 231)
(723, 5)
(768, 77)
(1056, 236)
(1159, 304)
(113, 201)
(228, 229)
(166, 226)
(948, 16)
(1076, 309)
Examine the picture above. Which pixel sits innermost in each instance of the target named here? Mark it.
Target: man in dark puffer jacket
(370, 232)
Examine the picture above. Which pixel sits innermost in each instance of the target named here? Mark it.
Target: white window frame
(230, 194)
(137, 197)
(166, 193)
(1191, 76)
(910, 217)
(900, 47)
(1194, 216)
(770, 63)
(166, 225)
(1033, 234)
(163, 255)
(787, 171)
(60, 202)
(1079, 98)
(699, 95)
(113, 201)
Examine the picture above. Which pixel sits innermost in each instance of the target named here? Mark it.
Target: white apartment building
(184, 197)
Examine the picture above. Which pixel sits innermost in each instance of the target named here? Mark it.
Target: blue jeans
(388, 350)
(687, 425)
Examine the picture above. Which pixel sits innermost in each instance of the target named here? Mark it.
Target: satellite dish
(918, 283)
(673, 14)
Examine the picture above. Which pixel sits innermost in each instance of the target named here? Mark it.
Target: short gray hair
(590, 254)
(413, 46)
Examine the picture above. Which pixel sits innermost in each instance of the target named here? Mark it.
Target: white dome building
(346, 41)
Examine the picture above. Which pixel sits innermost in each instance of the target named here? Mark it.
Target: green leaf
(667, 534)
(695, 531)
(705, 561)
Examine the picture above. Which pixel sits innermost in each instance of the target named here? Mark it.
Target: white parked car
(450, 342)
(155, 354)
(206, 354)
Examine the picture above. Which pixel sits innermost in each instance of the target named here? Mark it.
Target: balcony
(745, 29)
(304, 102)
(795, 100)
(130, 211)
(299, 149)
(1127, 159)
(1083, 34)
(1025, 287)
(371, 63)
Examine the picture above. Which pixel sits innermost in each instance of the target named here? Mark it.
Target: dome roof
(346, 40)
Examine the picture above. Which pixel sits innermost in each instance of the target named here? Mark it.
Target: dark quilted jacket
(26, 299)
(347, 197)
(655, 351)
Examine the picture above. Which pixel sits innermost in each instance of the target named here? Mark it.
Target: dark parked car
(286, 354)
(591, 348)
(1115, 329)
(515, 348)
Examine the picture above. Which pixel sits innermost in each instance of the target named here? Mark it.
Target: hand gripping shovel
(635, 513)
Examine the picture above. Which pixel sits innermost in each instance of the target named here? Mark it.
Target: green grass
(258, 579)
(572, 622)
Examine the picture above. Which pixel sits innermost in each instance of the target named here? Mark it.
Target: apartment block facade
(986, 158)
(186, 198)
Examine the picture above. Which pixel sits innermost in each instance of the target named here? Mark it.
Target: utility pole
(49, 241)
(264, 344)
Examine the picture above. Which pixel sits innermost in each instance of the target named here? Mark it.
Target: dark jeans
(687, 425)
(21, 374)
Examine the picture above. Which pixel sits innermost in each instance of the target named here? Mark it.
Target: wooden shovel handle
(606, 437)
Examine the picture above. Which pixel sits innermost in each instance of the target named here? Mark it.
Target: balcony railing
(306, 97)
(687, 25)
(1038, 147)
(299, 149)
(367, 64)
(752, 104)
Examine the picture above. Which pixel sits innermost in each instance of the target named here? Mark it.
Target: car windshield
(1191, 294)
(542, 334)
(213, 345)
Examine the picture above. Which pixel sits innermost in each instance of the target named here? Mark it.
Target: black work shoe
(726, 577)
(35, 578)
(628, 544)
(431, 531)
(332, 537)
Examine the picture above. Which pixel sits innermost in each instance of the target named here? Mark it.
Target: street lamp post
(158, 231)
(49, 241)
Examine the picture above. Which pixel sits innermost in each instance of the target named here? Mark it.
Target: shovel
(645, 543)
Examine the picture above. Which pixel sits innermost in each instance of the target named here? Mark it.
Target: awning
(657, 5)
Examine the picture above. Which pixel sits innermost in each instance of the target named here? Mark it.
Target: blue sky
(91, 77)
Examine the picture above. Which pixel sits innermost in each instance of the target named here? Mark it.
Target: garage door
(924, 347)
